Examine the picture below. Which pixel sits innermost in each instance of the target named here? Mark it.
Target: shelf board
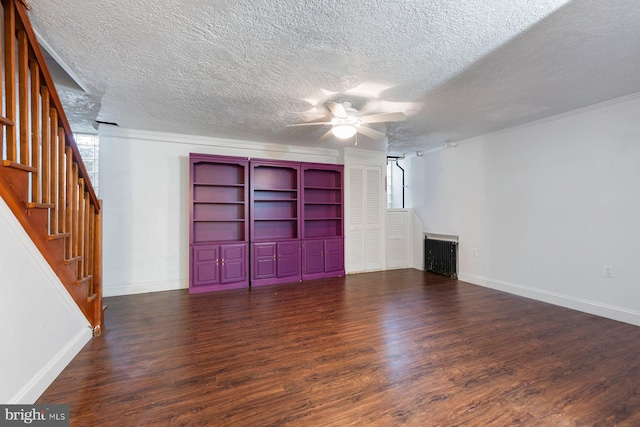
(289, 190)
(217, 241)
(275, 200)
(275, 219)
(218, 220)
(324, 219)
(313, 187)
(213, 184)
(323, 203)
(217, 202)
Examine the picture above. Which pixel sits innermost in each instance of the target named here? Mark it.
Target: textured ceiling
(245, 69)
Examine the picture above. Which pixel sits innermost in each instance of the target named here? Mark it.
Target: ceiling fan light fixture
(343, 131)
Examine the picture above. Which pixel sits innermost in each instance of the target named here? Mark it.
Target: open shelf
(322, 208)
(217, 231)
(217, 173)
(274, 197)
(218, 194)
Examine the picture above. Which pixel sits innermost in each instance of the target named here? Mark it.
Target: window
(389, 184)
(89, 148)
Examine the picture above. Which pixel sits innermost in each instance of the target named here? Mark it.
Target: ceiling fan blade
(337, 110)
(384, 117)
(309, 124)
(371, 133)
(327, 135)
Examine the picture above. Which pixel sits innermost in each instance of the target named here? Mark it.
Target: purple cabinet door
(333, 255)
(233, 264)
(313, 256)
(264, 260)
(288, 259)
(205, 265)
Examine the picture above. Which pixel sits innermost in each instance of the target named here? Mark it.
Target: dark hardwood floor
(378, 349)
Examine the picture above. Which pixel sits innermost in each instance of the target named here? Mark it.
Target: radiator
(440, 257)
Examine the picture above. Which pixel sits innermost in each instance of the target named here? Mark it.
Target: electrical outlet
(608, 271)
(474, 251)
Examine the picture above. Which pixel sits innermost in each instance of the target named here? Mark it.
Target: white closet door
(398, 239)
(365, 213)
(355, 242)
(373, 218)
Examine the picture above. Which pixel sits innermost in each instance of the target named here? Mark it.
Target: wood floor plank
(395, 348)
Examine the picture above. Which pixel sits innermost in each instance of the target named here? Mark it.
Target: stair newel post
(90, 237)
(97, 267)
(35, 131)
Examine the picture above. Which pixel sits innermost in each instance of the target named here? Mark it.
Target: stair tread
(72, 260)
(59, 236)
(33, 205)
(19, 166)
(6, 122)
(83, 280)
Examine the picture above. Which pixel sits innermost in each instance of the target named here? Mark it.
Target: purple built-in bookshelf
(274, 222)
(323, 220)
(219, 222)
(289, 214)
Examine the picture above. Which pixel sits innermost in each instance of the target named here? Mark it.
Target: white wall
(547, 206)
(144, 181)
(41, 327)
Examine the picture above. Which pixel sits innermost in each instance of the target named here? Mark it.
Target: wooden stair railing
(42, 177)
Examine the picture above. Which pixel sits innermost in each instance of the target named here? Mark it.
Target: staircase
(42, 177)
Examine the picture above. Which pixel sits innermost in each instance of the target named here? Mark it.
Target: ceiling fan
(345, 122)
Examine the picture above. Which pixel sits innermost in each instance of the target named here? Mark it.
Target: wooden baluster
(46, 145)
(2, 118)
(74, 213)
(90, 247)
(61, 180)
(53, 177)
(97, 268)
(85, 237)
(69, 204)
(10, 77)
(80, 239)
(35, 131)
(23, 95)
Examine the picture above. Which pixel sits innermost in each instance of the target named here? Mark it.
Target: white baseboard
(49, 372)
(143, 288)
(592, 307)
